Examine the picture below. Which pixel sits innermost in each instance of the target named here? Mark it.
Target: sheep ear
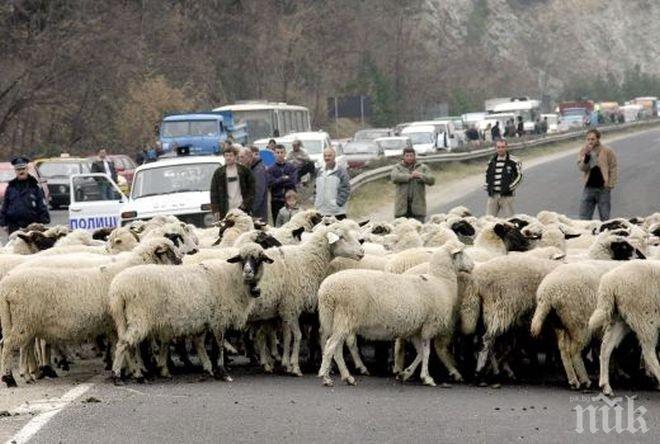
(234, 259)
(501, 230)
(571, 236)
(265, 258)
(332, 237)
(639, 254)
(363, 223)
(297, 233)
(26, 237)
(559, 256)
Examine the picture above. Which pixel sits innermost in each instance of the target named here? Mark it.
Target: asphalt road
(266, 408)
(557, 186)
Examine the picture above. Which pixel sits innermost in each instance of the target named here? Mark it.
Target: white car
(314, 142)
(176, 186)
(424, 138)
(393, 146)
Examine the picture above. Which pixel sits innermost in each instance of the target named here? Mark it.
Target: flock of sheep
(479, 291)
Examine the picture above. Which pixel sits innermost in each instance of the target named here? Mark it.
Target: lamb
(78, 237)
(156, 301)
(233, 225)
(183, 238)
(609, 245)
(290, 233)
(64, 305)
(436, 235)
(503, 290)
(261, 238)
(569, 293)
(406, 235)
(30, 242)
(541, 235)
(497, 239)
(463, 227)
(380, 305)
(628, 300)
(122, 239)
(289, 285)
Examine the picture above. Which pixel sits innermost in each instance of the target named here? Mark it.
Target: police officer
(24, 199)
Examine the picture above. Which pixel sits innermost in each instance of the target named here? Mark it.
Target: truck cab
(198, 134)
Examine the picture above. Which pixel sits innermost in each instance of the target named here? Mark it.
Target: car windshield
(190, 128)
(370, 134)
(420, 138)
(395, 144)
(173, 179)
(360, 147)
(61, 169)
(311, 146)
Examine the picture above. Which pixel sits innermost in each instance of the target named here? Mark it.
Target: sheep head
(251, 258)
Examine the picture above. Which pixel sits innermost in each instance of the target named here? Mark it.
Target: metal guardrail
(381, 172)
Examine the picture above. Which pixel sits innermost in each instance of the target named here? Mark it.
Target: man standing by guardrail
(503, 175)
(599, 166)
(411, 179)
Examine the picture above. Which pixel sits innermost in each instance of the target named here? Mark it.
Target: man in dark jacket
(495, 132)
(282, 176)
(24, 200)
(250, 158)
(503, 176)
(107, 166)
(232, 186)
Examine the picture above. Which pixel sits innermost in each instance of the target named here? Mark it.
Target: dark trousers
(592, 198)
(275, 206)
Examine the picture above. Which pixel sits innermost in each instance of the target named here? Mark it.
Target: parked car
(393, 146)
(57, 171)
(369, 134)
(7, 174)
(360, 154)
(424, 138)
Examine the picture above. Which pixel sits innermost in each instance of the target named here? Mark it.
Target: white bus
(269, 119)
(530, 110)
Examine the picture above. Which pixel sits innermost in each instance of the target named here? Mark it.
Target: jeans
(592, 197)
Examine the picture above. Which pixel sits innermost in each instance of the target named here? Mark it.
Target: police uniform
(24, 201)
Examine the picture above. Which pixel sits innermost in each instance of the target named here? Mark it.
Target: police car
(177, 186)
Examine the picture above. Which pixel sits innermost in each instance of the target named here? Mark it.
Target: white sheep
(64, 305)
(628, 299)
(570, 293)
(497, 239)
(289, 285)
(380, 305)
(78, 237)
(156, 301)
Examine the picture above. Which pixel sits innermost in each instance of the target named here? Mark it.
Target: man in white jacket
(333, 187)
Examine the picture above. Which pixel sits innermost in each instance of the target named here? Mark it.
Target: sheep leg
(198, 342)
(274, 351)
(565, 352)
(264, 357)
(424, 375)
(341, 364)
(351, 343)
(162, 358)
(485, 353)
(221, 371)
(295, 350)
(614, 334)
(408, 372)
(399, 356)
(578, 363)
(335, 339)
(32, 364)
(286, 347)
(441, 344)
(11, 342)
(648, 351)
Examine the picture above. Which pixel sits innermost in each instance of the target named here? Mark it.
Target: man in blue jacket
(282, 176)
(24, 200)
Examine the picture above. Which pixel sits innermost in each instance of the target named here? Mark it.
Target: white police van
(175, 186)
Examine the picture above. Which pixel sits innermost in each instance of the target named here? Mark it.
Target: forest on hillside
(81, 74)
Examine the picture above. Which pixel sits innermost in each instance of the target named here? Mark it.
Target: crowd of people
(245, 182)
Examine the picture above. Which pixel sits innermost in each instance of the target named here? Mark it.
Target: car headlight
(62, 189)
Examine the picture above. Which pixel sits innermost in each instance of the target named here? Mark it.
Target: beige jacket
(606, 162)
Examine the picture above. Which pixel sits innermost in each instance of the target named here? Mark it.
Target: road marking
(47, 410)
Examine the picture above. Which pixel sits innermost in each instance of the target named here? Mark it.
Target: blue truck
(198, 133)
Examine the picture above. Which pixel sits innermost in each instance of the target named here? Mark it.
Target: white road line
(48, 409)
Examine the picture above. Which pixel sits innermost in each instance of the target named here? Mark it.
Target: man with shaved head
(249, 157)
(333, 187)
